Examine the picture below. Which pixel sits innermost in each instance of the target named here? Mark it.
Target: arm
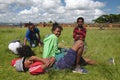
(25, 41)
(76, 36)
(35, 58)
(39, 37)
(27, 37)
(47, 62)
(83, 34)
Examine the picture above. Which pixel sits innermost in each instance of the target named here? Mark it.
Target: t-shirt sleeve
(27, 35)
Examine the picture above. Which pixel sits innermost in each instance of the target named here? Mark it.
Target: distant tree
(50, 22)
(111, 18)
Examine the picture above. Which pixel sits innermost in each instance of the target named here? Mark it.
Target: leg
(90, 62)
(78, 47)
(32, 44)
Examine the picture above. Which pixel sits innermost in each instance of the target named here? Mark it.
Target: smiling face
(80, 21)
(57, 32)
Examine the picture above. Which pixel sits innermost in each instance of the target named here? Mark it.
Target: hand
(40, 43)
(51, 61)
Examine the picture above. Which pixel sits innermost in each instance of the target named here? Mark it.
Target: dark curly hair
(80, 18)
(56, 25)
(25, 51)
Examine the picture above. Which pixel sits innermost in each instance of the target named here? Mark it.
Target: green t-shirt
(50, 46)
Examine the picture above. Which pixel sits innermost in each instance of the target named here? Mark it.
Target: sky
(61, 11)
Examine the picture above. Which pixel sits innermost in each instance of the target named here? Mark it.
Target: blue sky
(62, 11)
(111, 6)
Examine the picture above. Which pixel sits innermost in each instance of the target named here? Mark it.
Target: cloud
(32, 11)
(83, 4)
(46, 10)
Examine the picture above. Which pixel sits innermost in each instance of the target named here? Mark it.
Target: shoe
(80, 70)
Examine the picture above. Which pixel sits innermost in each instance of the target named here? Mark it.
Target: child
(31, 36)
(51, 42)
(27, 61)
(79, 32)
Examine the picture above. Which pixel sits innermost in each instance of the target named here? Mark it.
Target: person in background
(79, 32)
(33, 36)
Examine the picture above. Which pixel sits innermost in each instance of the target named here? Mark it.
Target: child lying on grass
(31, 63)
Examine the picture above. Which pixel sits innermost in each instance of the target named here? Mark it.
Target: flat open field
(101, 45)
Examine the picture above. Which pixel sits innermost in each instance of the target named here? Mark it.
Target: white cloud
(83, 4)
(33, 11)
(45, 10)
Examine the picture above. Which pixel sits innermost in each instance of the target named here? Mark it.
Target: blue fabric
(66, 61)
(59, 56)
(31, 35)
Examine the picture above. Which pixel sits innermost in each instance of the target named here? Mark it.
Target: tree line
(111, 18)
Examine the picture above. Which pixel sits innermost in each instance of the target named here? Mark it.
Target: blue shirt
(32, 35)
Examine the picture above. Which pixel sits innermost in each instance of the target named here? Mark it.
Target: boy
(31, 36)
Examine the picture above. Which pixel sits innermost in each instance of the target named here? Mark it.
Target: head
(19, 65)
(80, 21)
(31, 27)
(25, 51)
(56, 29)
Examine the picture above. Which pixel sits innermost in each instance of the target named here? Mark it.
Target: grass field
(102, 45)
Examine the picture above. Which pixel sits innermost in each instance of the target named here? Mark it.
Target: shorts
(67, 61)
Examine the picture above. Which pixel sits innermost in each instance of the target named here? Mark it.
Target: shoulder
(36, 29)
(28, 31)
(50, 37)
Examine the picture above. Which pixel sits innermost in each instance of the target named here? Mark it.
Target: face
(80, 22)
(27, 63)
(57, 32)
(31, 28)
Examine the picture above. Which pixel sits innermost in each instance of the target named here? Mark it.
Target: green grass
(102, 44)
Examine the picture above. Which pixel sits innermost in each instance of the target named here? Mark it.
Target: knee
(80, 43)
